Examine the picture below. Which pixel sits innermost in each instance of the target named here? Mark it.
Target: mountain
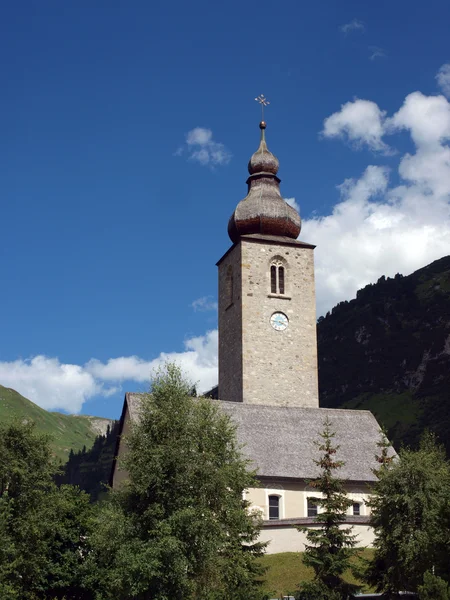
(68, 432)
(388, 350)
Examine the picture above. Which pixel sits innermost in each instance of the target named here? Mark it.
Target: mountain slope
(68, 432)
(388, 351)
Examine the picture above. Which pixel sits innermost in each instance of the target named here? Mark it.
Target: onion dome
(263, 210)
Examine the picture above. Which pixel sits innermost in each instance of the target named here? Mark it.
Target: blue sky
(126, 131)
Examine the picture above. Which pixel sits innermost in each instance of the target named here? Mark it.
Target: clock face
(279, 321)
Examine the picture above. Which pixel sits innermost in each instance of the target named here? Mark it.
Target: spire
(263, 160)
(263, 210)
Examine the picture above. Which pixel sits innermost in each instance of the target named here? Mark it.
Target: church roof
(280, 441)
(263, 239)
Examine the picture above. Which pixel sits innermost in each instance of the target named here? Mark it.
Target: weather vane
(264, 102)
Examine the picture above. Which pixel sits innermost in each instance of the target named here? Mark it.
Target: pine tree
(330, 546)
(386, 456)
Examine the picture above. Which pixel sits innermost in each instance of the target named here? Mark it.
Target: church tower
(267, 312)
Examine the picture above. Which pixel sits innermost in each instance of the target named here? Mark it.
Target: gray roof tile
(280, 440)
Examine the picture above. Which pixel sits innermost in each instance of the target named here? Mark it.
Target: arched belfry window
(229, 286)
(277, 276)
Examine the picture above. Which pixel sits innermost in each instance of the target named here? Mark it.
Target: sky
(126, 128)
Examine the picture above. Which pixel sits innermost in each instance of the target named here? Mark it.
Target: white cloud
(354, 25)
(361, 122)
(51, 384)
(199, 361)
(427, 118)
(293, 202)
(201, 148)
(443, 79)
(57, 386)
(377, 52)
(199, 137)
(376, 229)
(204, 304)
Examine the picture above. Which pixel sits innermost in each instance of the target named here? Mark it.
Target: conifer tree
(330, 546)
(386, 456)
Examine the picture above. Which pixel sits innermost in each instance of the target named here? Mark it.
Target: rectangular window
(356, 508)
(281, 279)
(274, 508)
(273, 279)
(312, 508)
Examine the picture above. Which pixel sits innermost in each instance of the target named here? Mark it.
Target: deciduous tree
(410, 516)
(433, 588)
(42, 527)
(181, 527)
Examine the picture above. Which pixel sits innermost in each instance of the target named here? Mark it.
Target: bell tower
(267, 312)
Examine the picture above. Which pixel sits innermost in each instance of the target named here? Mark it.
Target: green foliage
(410, 516)
(386, 456)
(318, 590)
(67, 431)
(42, 528)
(67, 544)
(330, 546)
(180, 528)
(433, 588)
(90, 470)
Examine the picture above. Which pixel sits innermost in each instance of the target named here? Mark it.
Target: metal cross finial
(264, 102)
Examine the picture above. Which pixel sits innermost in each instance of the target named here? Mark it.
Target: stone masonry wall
(257, 364)
(230, 327)
(279, 367)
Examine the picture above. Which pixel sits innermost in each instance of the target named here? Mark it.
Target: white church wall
(294, 498)
(289, 539)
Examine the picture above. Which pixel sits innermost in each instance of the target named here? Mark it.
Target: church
(268, 382)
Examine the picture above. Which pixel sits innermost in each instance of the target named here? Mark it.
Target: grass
(67, 431)
(285, 571)
(388, 408)
(426, 289)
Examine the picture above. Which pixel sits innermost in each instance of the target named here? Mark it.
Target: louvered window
(277, 277)
(273, 279)
(281, 280)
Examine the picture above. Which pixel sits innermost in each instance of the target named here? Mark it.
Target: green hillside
(285, 571)
(388, 351)
(67, 431)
